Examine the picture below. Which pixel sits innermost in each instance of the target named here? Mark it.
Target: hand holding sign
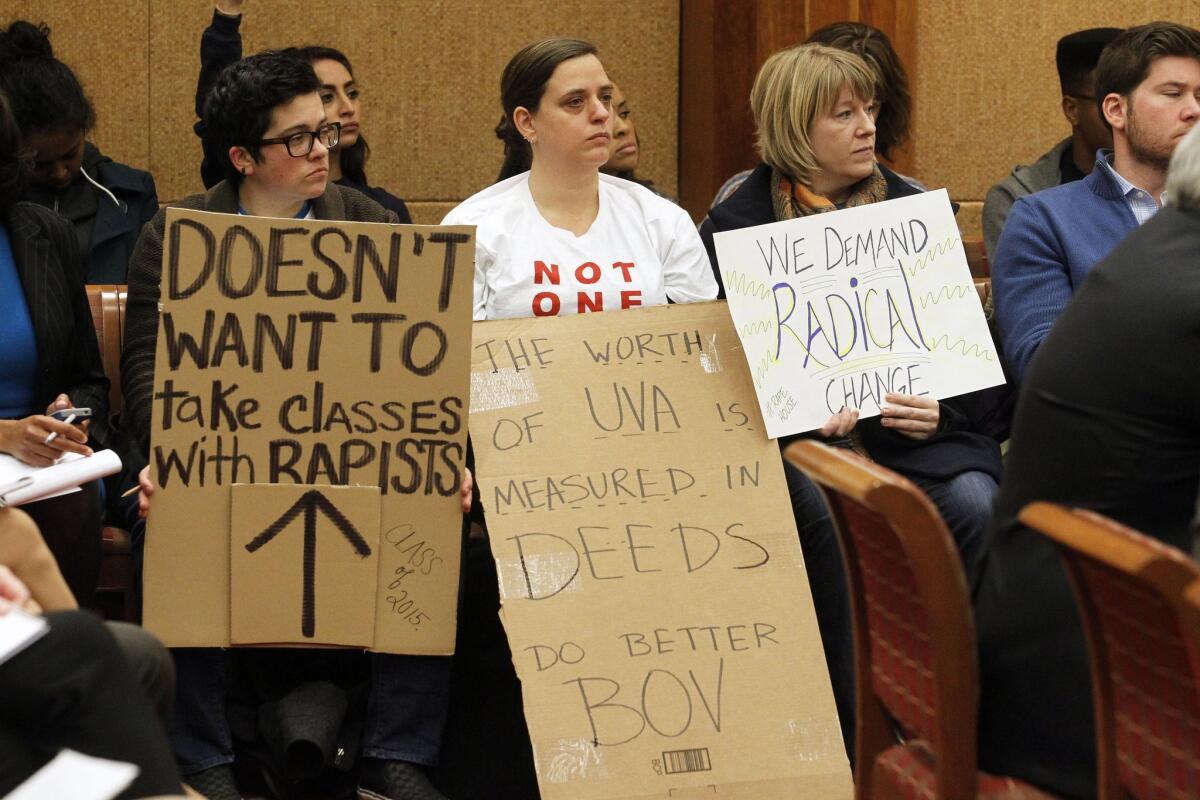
(913, 416)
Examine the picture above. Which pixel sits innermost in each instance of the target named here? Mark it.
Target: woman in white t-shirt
(561, 238)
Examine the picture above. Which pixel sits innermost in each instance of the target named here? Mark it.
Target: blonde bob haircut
(793, 87)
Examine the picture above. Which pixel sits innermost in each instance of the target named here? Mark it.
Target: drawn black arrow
(309, 502)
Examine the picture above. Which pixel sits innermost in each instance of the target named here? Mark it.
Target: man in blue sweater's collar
(1148, 91)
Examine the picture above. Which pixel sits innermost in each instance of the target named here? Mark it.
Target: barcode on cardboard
(695, 760)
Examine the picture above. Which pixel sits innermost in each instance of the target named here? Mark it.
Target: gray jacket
(1043, 174)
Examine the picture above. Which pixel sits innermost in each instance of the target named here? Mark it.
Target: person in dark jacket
(221, 45)
(49, 360)
(107, 203)
(828, 165)
(1108, 420)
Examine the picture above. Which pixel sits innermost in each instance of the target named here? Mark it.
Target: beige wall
(430, 73)
(987, 95)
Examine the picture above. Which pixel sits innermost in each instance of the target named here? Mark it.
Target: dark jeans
(965, 503)
(73, 688)
(406, 707)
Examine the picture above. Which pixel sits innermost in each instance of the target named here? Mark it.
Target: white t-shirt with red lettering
(640, 250)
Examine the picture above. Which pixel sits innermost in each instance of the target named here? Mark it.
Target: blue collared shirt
(1141, 203)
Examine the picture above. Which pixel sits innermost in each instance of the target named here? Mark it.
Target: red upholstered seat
(914, 637)
(909, 772)
(1137, 598)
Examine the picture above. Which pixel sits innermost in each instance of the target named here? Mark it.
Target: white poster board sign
(839, 309)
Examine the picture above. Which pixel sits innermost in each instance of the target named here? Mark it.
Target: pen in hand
(54, 434)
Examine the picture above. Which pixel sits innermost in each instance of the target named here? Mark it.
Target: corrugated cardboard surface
(399, 425)
(653, 589)
(285, 588)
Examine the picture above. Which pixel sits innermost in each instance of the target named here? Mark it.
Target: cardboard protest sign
(653, 588)
(311, 354)
(839, 309)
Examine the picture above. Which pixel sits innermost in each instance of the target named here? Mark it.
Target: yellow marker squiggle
(947, 292)
(974, 350)
(740, 283)
(938, 249)
(757, 327)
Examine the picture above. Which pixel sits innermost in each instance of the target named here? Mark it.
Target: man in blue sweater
(1148, 91)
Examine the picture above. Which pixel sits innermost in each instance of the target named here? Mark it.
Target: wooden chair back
(107, 303)
(914, 638)
(1139, 600)
(977, 258)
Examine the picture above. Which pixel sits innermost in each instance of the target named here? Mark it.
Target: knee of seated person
(150, 661)
(21, 537)
(975, 491)
(82, 632)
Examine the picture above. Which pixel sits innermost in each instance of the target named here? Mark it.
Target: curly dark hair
(237, 111)
(891, 82)
(522, 84)
(43, 92)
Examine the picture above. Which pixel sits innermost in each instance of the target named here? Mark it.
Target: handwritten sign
(840, 309)
(312, 354)
(653, 588)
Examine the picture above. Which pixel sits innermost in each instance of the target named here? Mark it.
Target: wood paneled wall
(723, 44)
(430, 72)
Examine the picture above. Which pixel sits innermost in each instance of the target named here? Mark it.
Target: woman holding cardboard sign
(562, 238)
(553, 237)
(267, 115)
(815, 112)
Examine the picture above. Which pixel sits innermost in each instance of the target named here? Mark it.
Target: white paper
(79, 777)
(839, 309)
(18, 630)
(65, 475)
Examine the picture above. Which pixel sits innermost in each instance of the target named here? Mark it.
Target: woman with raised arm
(221, 45)
(815, 111)
(557, 102)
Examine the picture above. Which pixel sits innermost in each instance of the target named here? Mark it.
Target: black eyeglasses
(301, 144)
(1083, 96)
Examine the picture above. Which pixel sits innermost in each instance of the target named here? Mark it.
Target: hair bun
(25, 40)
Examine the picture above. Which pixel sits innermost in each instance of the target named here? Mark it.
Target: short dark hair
(13, 162)
(353, 159)
(43, 92)
(1077, 54)
(1126, 61)
(237, 111)
(522, 84)
(891, 83)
